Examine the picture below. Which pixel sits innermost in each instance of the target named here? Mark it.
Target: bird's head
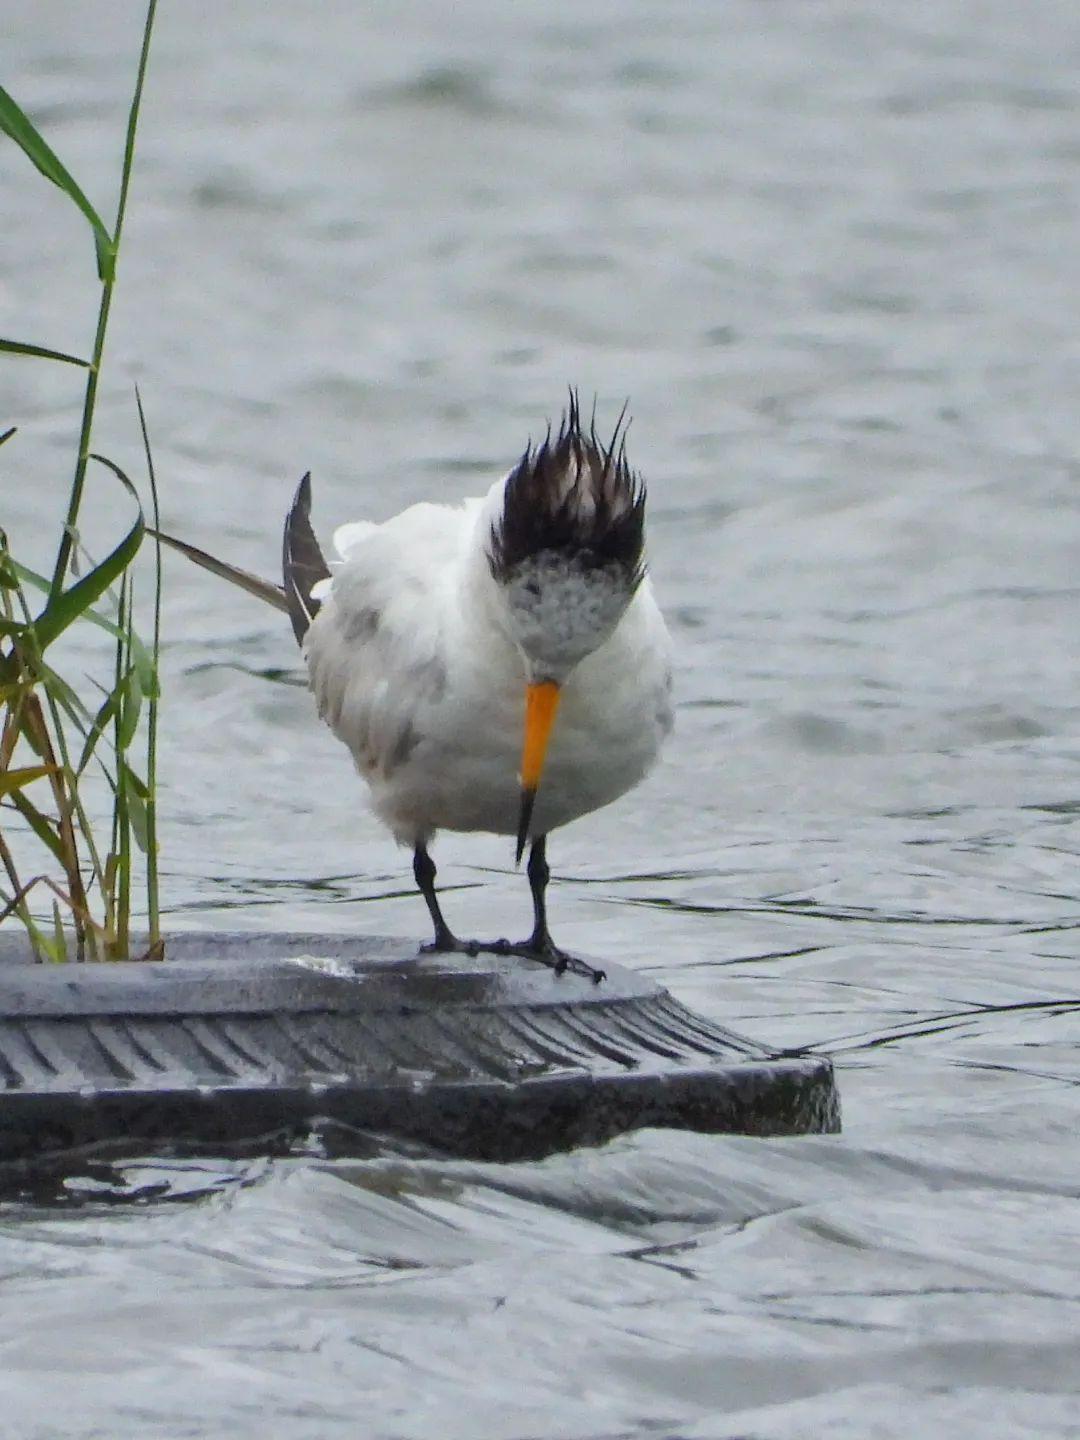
(567, 553)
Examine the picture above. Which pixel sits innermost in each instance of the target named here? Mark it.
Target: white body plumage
(419, 657)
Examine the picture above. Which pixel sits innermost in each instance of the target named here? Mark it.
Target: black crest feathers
(574, 496)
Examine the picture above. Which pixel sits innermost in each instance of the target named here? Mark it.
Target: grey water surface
(829, 248)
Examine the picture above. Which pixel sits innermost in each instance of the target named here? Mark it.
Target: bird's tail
(302, 562)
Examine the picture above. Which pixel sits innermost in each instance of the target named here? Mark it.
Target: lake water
(829, 249)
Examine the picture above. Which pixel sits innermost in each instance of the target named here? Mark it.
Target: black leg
(539, 875)
(424, 870)
(540, 944)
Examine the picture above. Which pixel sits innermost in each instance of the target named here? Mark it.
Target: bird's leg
(539, 875)
(424, 871)
(540, 944)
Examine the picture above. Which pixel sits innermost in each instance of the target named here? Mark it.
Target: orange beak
(541, 706)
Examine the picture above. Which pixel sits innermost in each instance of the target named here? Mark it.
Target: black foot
(448, 944)
(548, 954)
(544, 951)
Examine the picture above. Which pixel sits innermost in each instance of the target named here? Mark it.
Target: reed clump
(56, 737)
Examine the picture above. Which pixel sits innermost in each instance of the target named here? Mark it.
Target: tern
(496, 665)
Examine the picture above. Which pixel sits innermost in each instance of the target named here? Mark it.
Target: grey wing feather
(302, 562)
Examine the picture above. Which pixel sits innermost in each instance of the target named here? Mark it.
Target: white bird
(498, 665)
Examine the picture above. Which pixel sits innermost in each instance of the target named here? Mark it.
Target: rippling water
(828, 247)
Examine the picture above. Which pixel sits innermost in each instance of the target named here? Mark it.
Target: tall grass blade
(139, 654)
(19, 347)
(137, 795)
(57, 688)
(105, 716)
(15, 122)
(17, 902)
(121, 875)
(34, 664)
(63, 555)
(150, 845)
(68, 605)
(42, 826)
(15, 779)
(43, 947)
(59, 939)
(66, 800)
(133, 121)
(130, 710)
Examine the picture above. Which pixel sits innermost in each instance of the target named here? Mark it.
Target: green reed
(50, 738)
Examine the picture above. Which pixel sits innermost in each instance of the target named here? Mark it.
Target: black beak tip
(528, 798)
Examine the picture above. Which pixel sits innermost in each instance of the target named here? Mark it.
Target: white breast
(413, 668)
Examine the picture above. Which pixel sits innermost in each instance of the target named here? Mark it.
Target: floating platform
(241, 1039)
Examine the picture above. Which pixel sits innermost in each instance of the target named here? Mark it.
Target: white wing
(348, 538)
(375, 651)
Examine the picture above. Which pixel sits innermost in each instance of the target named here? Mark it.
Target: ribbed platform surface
(240, 1036)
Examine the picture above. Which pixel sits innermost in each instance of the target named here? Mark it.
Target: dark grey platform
(242, 1036)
